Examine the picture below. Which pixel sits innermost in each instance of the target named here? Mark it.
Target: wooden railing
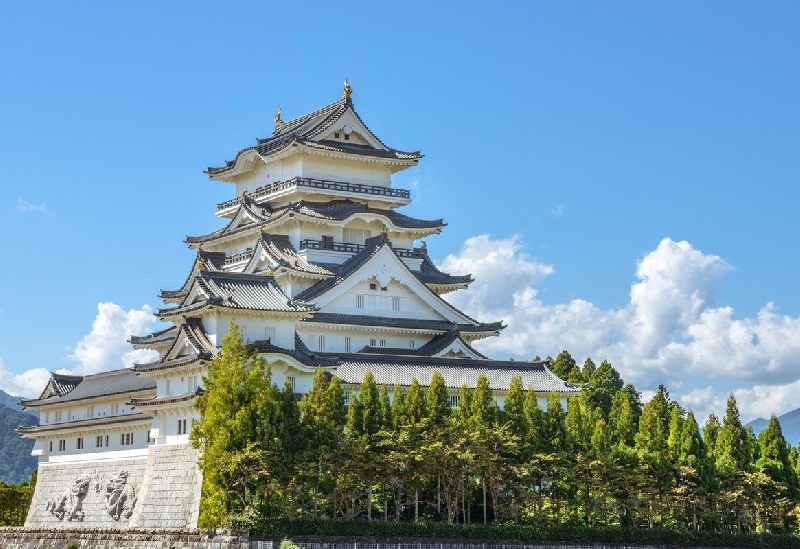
(278, 186)
(238, 257)
(309, 244)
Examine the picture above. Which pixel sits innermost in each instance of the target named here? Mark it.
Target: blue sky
(576, 136)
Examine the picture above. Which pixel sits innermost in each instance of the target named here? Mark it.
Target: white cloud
(559, 210)
(670, 330)
(28, 384)
(28, 207)
(106, 347)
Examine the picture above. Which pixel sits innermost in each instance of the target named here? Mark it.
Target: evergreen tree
(556, 439)
(774, 457)
(534, 419)
(514, 413)
(604, 383)
(732, 452)
(415, 403)
(482, 406)
(563, 365)
(437, 400)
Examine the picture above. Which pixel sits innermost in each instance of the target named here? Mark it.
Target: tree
(514, 412)
(238, 430)
(774, 458)
(437, 401)
(731, 449)
(563, 365)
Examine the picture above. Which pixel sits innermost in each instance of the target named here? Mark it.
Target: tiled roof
(280, 249)
(85, 424)
(96, 385)
(410, 323)
(239, 291)
(185, 360)
(339, 210)
(305, 128)
(212, 261)
(59, 385)
(161, 336)
(457, 372)
(334, 210)
(169, 399)
(300, 353)
(441, 342)
(429, 274)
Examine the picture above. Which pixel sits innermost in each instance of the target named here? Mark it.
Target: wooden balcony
(229, 260)
(321, 184)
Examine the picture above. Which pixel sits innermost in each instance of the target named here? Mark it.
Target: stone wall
(170, 496)
(95, 494)
(161, 490)
(96, 538)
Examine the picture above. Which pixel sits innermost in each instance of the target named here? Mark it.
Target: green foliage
(16, 462)
(14, 502)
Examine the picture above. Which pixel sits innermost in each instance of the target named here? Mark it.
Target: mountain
(16, 462)
(790, 425)
(12, 402)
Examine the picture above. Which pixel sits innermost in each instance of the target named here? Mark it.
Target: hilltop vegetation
(16, 462)
(404, 454)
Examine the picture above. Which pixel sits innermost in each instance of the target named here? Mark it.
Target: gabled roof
(59, 385)
(334, 210)
(372, 246)
(211, 261)
(281, 253)
(457, 372)
(98, 385)
(236, 291)
(307, 129)
(445, 340)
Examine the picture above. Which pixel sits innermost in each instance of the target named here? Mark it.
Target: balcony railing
(347, 247)
(278, 186)
(238, 257)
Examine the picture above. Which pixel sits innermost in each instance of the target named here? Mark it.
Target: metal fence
(450, 544)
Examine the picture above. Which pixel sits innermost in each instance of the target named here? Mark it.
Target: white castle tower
(317, 269)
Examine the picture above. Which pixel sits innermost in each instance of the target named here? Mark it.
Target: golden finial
(200, 247)
(278, 120)
(347, 90)
(201, 265)
(384, 229)
(271, 271)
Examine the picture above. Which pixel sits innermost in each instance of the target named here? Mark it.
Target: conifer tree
(514, 412)
(563, 365)
(774, 457)
(437, 400)
(415, 403)
(534, 419)
(732, 453)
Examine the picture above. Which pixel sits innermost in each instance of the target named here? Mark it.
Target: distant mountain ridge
(12, 402)
(16, 462)
(790, 426)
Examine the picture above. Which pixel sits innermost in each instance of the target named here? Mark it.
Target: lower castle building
(317, 269)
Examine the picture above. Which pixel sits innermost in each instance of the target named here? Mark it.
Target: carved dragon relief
(120, 497)
(70, 503)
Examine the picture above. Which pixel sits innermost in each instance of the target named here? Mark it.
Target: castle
(315, 267)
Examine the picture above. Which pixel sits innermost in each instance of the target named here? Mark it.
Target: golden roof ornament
(278, 119)
(384, 229)
(271, 271)
(201, 265)
(347, 90)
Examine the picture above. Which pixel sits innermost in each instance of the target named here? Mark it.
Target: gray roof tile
(95, 385)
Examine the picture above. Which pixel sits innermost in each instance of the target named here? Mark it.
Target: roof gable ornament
(278, 119)
(348, 91)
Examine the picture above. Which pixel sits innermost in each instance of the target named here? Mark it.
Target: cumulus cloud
(670, 329)
(28, 384)
(28, 207)
(106, 346)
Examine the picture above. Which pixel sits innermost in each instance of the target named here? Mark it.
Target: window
(347, 344)
(373, 286)
(62, 445)
(346, 398)
(149, 438)
(182, 427)
(347, 137)
(79, 443)
(412, 344)
(383, 343)
(336, 135)
(327, 242)
(115, 408)
(359, 302)
(395, 303)
(373, 342)
(355, 236)
(269, 333)
(98, 441)
(51, 445)
(58, 415)
(454, 401)
(321, 343)
(291, 381)
(89, 412)
(384, 288)
(126, 439)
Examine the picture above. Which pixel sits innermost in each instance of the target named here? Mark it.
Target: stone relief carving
(70, 503)
(120, 496)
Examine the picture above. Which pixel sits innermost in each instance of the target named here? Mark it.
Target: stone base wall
(90, 538)
(170, 496)
(60, 501)
(161, 490)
